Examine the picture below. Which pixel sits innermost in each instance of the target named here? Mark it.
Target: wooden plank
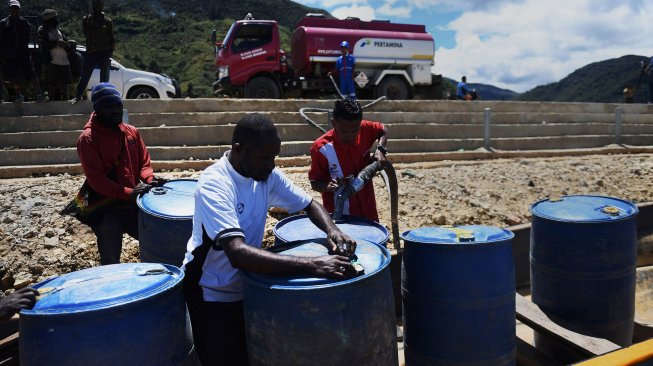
(633, 355)
(8, 341)
(527, 355)
(531, 315)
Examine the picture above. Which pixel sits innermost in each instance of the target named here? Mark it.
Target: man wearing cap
(100, 43)
(17, 67)
(54, 44)
(117, 165)
(345, 66)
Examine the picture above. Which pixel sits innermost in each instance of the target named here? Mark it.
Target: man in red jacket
(344, 151)
(117, 165)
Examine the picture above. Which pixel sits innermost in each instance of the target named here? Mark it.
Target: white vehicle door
(115, 78)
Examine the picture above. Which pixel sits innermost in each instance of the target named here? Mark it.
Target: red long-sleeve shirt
(100, 147)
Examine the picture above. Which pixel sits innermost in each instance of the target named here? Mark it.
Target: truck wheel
(143, 92)
(393, 88)
(262, 87)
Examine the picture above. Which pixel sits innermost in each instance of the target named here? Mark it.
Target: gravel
(37, 243)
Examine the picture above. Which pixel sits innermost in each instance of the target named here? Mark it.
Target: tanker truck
(392, 60)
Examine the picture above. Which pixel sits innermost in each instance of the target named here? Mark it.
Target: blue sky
(515, 44)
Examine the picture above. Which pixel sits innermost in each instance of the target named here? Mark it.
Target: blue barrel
(458, 290)
(300, 227)
(583, 264)
(165, 222)
(121, 314)
(295, 320)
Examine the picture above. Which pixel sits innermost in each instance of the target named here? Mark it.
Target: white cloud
(387, 9)
(364, 12)
(520, 45)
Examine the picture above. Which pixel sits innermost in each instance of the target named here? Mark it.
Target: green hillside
(600, 82)
(171, 36)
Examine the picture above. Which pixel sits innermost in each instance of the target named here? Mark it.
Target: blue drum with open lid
(300, 227)
(583, 267)
(300, 320)
(458, 290)
(165, 221)
(121, 314)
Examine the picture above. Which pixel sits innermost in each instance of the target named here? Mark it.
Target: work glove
(139, 190)
(158, 181)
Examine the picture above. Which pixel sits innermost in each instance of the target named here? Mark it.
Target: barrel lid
(469, 234)
(175, 199)
(584, 208)
(300, 227)
(103, 287)
(371, 256)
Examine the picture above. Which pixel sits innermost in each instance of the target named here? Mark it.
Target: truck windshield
(250, 36)
(228, 36)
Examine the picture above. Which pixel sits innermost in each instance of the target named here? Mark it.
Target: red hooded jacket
(101, 148)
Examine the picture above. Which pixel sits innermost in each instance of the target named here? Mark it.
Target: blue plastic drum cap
(300, 227)
(103, 287)
(584, 208)
(175, 199)
(371, 256)
(469, 234)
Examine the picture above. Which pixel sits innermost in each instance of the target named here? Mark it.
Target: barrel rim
(510, 236)
(158, 215)
(249, 277)
(289, 219)
(558, 219)
(134, 298)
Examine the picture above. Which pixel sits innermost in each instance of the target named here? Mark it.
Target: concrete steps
(200, 129)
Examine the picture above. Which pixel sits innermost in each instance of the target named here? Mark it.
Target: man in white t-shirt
(231, 204)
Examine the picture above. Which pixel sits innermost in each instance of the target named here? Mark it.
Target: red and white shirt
(330, 159)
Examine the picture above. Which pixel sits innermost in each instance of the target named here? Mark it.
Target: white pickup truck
(136, 84)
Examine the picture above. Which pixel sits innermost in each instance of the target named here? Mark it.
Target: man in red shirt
(117, 165)
(344, 151)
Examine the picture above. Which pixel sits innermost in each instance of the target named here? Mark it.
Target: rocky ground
(37, 243)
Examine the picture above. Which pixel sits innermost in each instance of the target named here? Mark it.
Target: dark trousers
(109, 230)
(218, 329)
(101, 58)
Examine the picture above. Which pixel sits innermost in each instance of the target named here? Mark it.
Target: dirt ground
(37, 243)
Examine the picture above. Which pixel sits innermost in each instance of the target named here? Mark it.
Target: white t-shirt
(226, 205)
(58, 54)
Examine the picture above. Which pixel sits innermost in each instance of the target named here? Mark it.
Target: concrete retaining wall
(45, 134)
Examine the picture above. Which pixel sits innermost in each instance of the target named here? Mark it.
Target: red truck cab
(249, 59)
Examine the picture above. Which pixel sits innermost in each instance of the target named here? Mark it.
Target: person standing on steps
(54, 53)
(649, 71)
(345, 66)
(100, 44)
(17, 66)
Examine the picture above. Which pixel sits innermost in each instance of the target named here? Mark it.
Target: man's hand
(332, 186)
(61, 43)
(332, 266)
(158, 181)
(24, 298)
(340, 243)
(380, 157)
(139, 190)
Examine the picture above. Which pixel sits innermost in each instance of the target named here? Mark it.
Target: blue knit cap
(105, 95)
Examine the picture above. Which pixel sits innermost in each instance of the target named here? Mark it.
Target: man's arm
(252, 259)
(337, 241)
